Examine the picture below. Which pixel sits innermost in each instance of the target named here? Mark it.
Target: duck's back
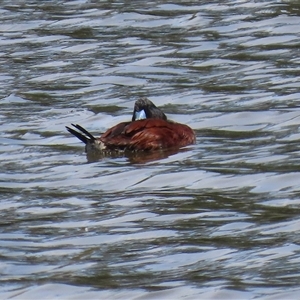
(148, 134)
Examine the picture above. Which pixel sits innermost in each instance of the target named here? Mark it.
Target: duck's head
(145, 109)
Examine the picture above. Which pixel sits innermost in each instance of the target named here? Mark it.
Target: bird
(148, 130)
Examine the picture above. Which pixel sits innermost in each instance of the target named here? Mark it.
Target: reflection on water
(135, 157)
(218, 219)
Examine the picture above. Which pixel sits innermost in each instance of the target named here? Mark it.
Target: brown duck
(148, 130)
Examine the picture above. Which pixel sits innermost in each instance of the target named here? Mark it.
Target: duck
(148, 130)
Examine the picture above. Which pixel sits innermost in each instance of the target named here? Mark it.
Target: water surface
(217, 220)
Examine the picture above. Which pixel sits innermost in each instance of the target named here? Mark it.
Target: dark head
(145, 109)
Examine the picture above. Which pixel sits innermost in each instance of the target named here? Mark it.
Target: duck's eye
(140, 115)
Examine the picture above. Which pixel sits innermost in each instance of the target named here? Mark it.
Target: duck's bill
(140, 115)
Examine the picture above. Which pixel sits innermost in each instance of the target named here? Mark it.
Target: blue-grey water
(217, 220)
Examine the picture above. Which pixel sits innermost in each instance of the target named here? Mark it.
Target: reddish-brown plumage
(151, 133)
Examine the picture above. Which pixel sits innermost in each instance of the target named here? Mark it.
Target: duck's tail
(84, 135)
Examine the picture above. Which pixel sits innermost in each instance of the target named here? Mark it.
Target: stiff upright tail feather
(84, 135)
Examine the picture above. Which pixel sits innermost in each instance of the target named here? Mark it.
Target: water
(217, 220)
